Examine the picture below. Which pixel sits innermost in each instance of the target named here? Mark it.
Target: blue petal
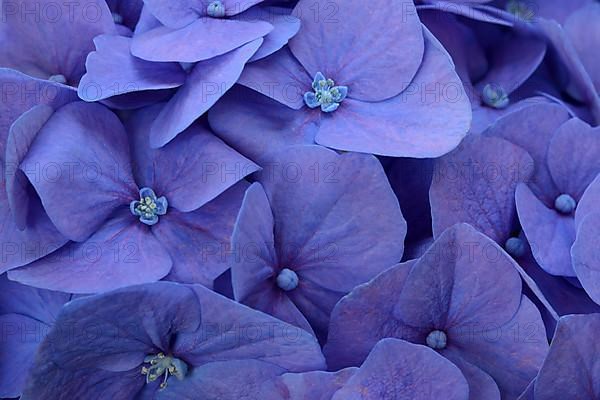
(318, 77)
(342, 93)
(147, 192)
(161, 205)
(329, 107)
(311, 100)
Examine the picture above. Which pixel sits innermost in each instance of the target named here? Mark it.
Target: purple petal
(397, 127)
(574, 348)
(257, 337)
(255, 125)
(280, 77)
(476, 184)
(231, 380)
(377, 68)
(319, 385)
(181, 45)
(205, 85)
(113, 71)
(572, 175)
(550, 234)
(22, 133)
(404, 371)
(199, 241)
(179, 13)
(584, 32)
(481, 385)
(21, 337)
(369, 305)
(589, 201)
(285, 26)
(122, 252)
(79, 165)
(540, 121)
(192, 170)
(586, 259)
(512, 354)
(52, 38)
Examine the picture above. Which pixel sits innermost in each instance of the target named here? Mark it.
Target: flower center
(326, 95)
(495, 96)
(437, 340)
(287, 280)
(565, 204)
(515, 247)
(520, 9)
(58, 78)
(216, 9)
(161, 365)
(149, 207)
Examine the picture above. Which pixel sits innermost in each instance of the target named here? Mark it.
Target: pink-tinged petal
(190, 171)
(586, 255)
(280, 77)
(220, 36)
(44, 39)
(589, 201)
(257, 336)
(572, 175)
(399, 370)
(476, 184)
(540, 121)
(511, 353)
(22, 133)
(79, 165)
(256, 125)
(208, 81)
(481, 385)
(428, 119)
(199, 241)
(122, 252)
(377, 68)
(513, 61)
(179, 13)
(550, 234)
(584, 31)
(21, 337)
(363, 317)
(113, 71)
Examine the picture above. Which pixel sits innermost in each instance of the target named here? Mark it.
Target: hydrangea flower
(394, 369)
(380, 98)
(159, 340)
(548, 215)
(463, 299)
(104, 172)
(163, 56)
(26, 316)
(307, 234)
